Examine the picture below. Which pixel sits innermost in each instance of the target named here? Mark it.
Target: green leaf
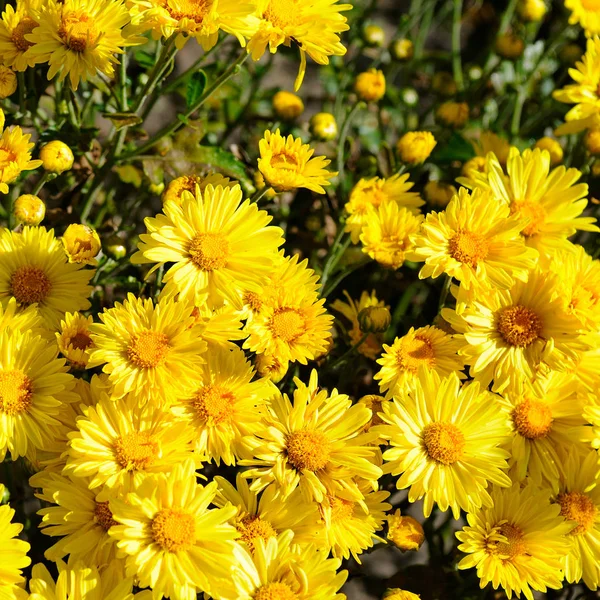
(144, 59)
(457, 148)
(123, 119)
(223, 160)
(195, 88)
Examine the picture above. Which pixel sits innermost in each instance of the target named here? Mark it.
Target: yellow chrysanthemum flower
(150, 349)
(371, 347)
(78, 38)
(34, 270)
(74, 340)
(546, 421)
(33, 385)
(518, 542)
(314, 26)
(80, 516)
(489, 141)
(220, 326)
(375, 192)
(174, 543)
(548, 202)
(509, 334)
(405, 532)
(188, 183)
(22, 319)
(315, 443)
(287, 164)
(16, 23)
(13, 556)
(118, 444)
(426, 347)
(475, 240)
(81, 244)
(445, 443)
(585, 13)
(224, 406)
(579, 501)
(386, 236)
(220, 245)
(587, 370)
(278, 570)
(265, 515)
(80, 580)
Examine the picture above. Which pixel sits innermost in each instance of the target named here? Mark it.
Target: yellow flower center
(275, 591)
(174, 529)
(214, 404)
(341, 509)
(29, 285)
(575, 506)
(253, 528)
(415, 352)
(519, 326)
(253, 300)
(532, 419)
(16, 391)
(285, 160)
(6, 158)
(591, 5)
(308, 449)
(287, 324)
(103, 516)
(195, 10)
(78, 31)
(148, 349)
(468, 247)
(24, 27)
(209, 251)
(282, 13)
(80, 341)
(135, 451)
(514, 545)
(443, 442)
(529, 210)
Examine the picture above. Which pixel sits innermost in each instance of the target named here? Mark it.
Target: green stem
(260, 194)
(40, 184)
(341, 276)
(515, 124)
(329, 261)
(350, 351)
(456, 60)
(21, 85)
(343, 136)
(445, 291)
(507, 16)
(424, 27)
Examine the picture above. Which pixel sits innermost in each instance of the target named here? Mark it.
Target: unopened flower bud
(370, 85)
(270, 366)
(532, 10)
(8, 82)
(374, 319)
(373, 35)
(115, 247)
(592, 141)
(29, 209)
(553, 147)
(405, 532)
(415, 147)
(403, 49)
(81, 243)
(56, 157)
(453, 114)
(323, 126)
(509, 46)
(443, 83)
(439, 193)
(287, 106)
(398, 594)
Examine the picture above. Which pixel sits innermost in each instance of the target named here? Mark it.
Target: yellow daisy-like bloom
(150, 349)
(585, 13)
(200, 20)
(78, 38)
(174, 543)
(224, 406)
(287, 164)
(74, 340)
(348, 528)
(405, 532)
(375, 192)
(264, 516)
(78, 580)
(511, 333)
(587, 370)
(118, 444)
(313, 25)
(13, 556)
(22, 319)
(82, 244)
(579, 501)
(80, 516)
(188, 183)
(476, 241)
(518, 542)
(549, 203)
(427, 347)
(33, 385)
(15, 24)
(546, 420)
(315, 443)
(15, 155)
(34, 270)
(386, 237)
(220, 326)
(371, 347)
(220, 245)
(445, 443)
(279, 571)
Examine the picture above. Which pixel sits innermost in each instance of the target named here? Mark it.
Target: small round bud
(115, 247)
(403, 49)
(4, 494)
(270, 366)
(439, 193)
(287, 106)
(323, 126)
(475, 164)
(156, 189)
(410, 96)
(405, 532)
(532, 10)
(374, 36)
(398, 594)
(474, 72)
(56, 157)
(453, 114)
(370, 85)
(81, 243)
(443, 83)
(29, 209)
(553, 147)
(8, 82)
(570, 53)
(592, 141)
(374, 403)
(509, 46)
(415, 147)
(374, 319)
